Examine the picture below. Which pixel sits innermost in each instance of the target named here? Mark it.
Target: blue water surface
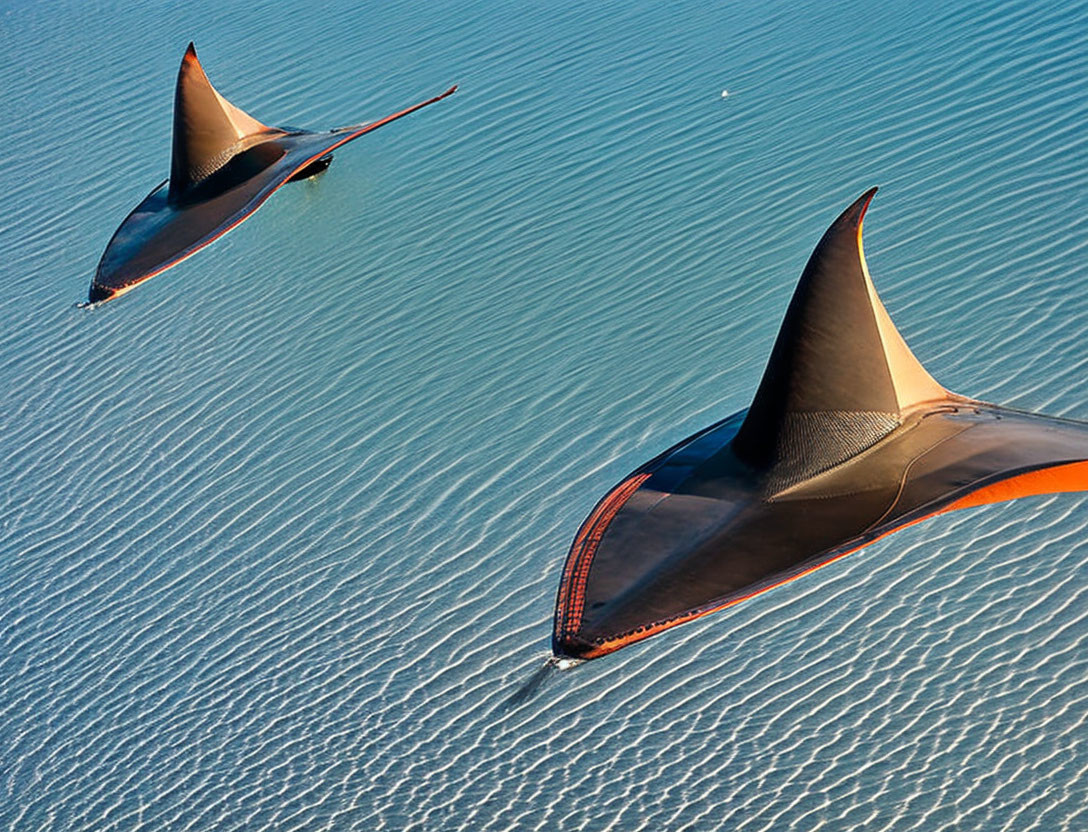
(280, 530)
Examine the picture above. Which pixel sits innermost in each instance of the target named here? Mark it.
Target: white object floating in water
(725, 93)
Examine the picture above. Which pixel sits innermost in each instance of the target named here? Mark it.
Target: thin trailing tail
(358, 130)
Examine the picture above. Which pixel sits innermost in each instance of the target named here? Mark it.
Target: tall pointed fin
(840, 375)
(208, 129)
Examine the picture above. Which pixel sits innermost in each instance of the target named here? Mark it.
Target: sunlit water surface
(280, 531)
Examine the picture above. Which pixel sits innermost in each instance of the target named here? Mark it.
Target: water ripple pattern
(280, 531)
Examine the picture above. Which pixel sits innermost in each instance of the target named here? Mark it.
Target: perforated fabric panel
(808, 443)
(209, 165)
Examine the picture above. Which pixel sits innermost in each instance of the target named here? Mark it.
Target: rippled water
(282, 528)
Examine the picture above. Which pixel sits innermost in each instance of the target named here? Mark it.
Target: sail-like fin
(840, 375)
(208, 129)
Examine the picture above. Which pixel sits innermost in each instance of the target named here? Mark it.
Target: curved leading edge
(848, 440)
(225, 164)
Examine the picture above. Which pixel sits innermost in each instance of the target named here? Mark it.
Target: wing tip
(855, 214)
(99, 294)
(865, 200)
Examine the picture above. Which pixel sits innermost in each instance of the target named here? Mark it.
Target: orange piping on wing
(573, 586)
(1060, 479)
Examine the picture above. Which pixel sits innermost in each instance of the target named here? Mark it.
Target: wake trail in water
(535, 683)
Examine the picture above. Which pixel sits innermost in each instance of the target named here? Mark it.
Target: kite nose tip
(569, 650)
(99, 294)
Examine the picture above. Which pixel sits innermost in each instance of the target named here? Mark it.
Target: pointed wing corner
(854, 216)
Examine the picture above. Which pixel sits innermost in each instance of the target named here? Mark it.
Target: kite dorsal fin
(840, 376)
(208, 129)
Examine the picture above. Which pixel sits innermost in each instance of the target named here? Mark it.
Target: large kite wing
(847, 440)
(224, 165)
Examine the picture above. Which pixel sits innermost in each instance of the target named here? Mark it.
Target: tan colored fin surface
(913, 383)
(840, 375)
(208, 129)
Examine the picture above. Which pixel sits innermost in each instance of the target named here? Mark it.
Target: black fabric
(828, 357)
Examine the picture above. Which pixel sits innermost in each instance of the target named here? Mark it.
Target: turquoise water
(282, 528)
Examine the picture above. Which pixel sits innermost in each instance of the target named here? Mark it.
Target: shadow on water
(535, 683)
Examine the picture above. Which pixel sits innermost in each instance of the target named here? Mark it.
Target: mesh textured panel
(809, 443)
(198, 173)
